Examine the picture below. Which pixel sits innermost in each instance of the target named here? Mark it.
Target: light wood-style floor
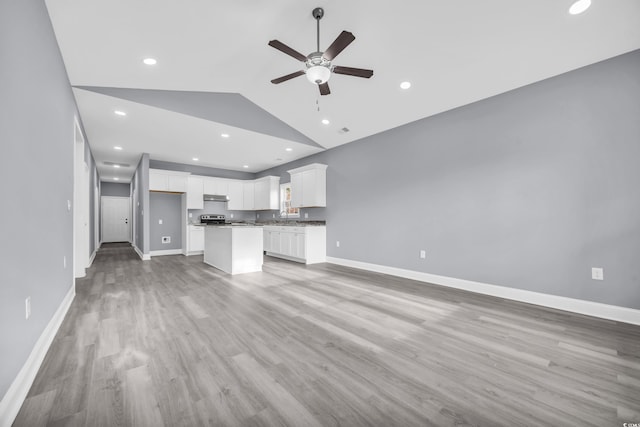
(175, 342)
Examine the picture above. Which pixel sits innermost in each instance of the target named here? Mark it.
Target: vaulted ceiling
(214, 68)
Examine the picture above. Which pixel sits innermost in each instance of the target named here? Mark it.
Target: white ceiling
(453, 52)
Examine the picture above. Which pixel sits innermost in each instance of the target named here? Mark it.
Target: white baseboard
(144, 257)
(91, 258)
(14, 398)
(589, 308)
(166, 252)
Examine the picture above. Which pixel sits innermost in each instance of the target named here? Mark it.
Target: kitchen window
(286, 211)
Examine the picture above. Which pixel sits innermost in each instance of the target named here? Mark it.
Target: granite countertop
(265, 224)
(294, 223)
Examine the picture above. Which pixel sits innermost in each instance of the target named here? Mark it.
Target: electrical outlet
(64, 262)
(69, 205)
(274, 215)
(597, 273)
(423, 254)
(257, 215)
(166, 239)
(306, 215)
(231, 215)
(337, 243)
(190, 214)
(160, 221)
(27, 308)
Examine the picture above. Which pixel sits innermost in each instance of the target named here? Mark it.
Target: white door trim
(80, 204)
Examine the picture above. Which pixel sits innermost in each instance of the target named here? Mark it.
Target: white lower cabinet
(302, 244)
(196, 240)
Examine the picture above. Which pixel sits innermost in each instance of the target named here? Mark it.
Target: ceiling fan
(318, 66)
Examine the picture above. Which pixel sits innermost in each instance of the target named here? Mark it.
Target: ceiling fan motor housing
(318, 68)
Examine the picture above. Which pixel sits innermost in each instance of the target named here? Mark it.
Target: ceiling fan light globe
(318, 74)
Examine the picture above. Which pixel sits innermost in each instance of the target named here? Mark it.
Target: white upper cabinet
(248, 194)
(267, 193)
(195, 191)
(216, 186)
(236, 196)
(163, 180)
(309, 186)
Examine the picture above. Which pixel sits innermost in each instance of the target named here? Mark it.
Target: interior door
(116, 219)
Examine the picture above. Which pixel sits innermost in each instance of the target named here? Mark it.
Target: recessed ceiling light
(245, 166)
(116, 179)
(116, 166)
(119, 113)
(325, 122)
(150, 61)
(579, 7)
(405, 85)
(195, 159)
(288, 149)
(117, 147)
(224, 135)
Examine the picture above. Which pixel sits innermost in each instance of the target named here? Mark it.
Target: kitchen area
(234, 223)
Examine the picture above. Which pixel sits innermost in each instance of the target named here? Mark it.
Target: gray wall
(36, 171)
(115, 189)
(168, 208)
(200, 170)
(528, 189)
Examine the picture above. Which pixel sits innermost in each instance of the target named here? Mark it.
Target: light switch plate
(160, 221)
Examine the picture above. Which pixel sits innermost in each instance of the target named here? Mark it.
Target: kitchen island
(234, 249)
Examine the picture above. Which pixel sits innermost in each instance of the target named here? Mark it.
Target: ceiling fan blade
(287, 77)
(343, 40)
(357, 72)
(324, 89)
(286, 49)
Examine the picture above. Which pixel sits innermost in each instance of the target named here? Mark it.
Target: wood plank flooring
(175, 342)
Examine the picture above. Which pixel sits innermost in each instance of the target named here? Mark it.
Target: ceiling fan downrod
(318, 13)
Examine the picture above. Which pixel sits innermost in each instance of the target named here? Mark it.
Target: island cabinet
(234, 250)
(307, 245)
(309, 186)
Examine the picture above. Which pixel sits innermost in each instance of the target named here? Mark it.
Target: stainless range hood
(215, 198)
